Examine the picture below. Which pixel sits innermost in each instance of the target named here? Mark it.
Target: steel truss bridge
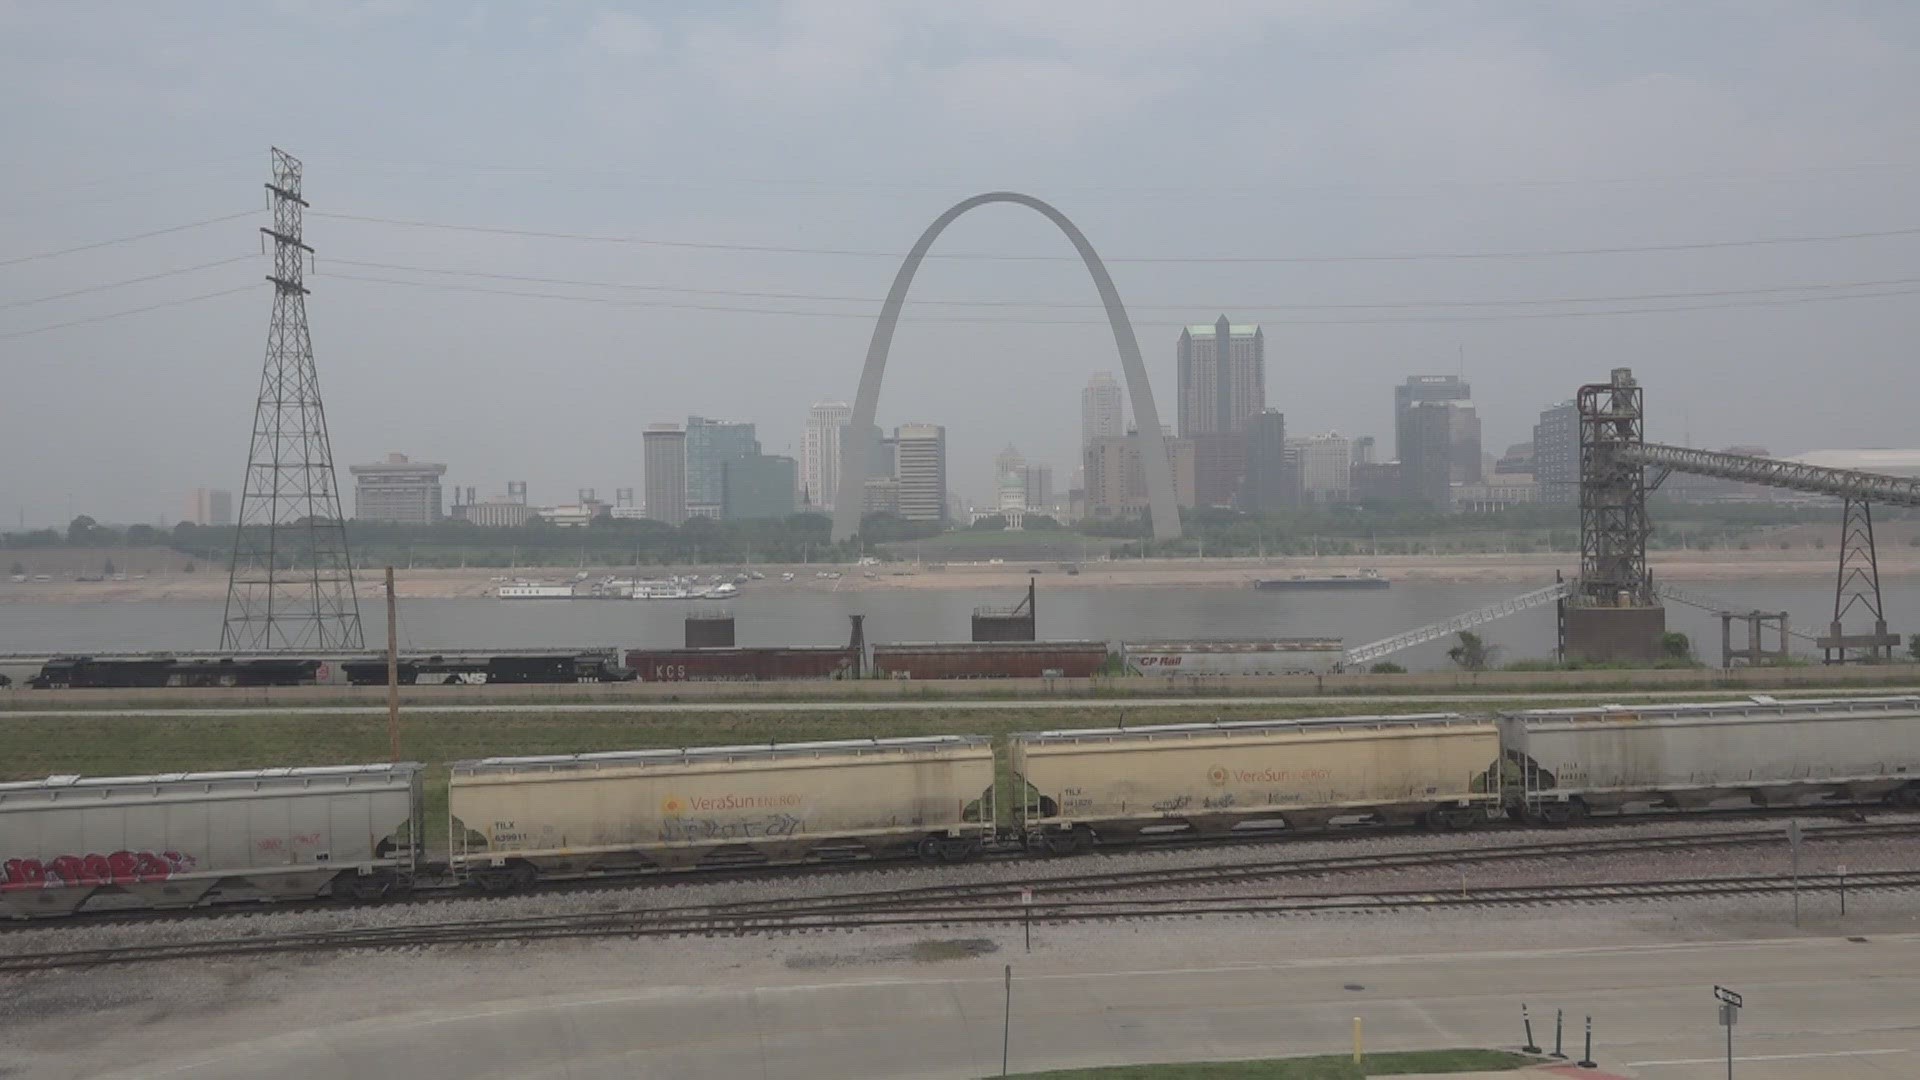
(1618, 469)
(1792, 475)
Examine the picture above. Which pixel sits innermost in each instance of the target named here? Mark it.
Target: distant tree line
(807, 537)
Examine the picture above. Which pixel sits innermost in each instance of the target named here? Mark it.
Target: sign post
(1006, 1030)
(1730, 1003)
(1793, 845)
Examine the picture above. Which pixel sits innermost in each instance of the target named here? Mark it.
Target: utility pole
(289, 512)
(393, 673)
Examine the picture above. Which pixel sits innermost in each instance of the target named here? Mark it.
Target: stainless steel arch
(1146, 418)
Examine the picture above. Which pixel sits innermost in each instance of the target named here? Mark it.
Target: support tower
(1858, 586)
(1613, 613)
(290, 584)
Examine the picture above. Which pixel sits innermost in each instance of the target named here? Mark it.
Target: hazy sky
(1188, 140)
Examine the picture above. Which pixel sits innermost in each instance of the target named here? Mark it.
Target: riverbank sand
(1800, 565)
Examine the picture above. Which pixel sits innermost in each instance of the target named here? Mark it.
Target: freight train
(320, 669)
(68, 844)
(932, 660)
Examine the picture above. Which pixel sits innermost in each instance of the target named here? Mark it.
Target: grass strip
(1330, 1067)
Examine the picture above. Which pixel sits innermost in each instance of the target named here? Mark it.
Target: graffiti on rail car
(117, 868)
(770, 827)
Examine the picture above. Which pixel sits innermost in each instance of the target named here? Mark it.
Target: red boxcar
(741, 665)
(991, 659)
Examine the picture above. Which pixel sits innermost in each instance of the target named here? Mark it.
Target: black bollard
(1527, 1022)
(1586, 1062)
(1558, 1015)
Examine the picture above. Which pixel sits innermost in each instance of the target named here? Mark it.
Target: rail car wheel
(1075, 842)
(1561, 814)
(352, 886)
(931, 848)
(514, 876)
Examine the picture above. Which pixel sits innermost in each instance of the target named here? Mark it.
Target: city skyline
(1522, 195)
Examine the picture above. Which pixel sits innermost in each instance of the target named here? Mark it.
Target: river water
(820, 618)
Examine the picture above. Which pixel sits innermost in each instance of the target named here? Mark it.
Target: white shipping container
(168, 840)
(1214, 777)
(515, 818)
(1771, 752)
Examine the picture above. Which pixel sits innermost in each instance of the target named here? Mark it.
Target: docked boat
(1364, 579)
(527, 591)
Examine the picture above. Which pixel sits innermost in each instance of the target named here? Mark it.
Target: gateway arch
(1146, 418)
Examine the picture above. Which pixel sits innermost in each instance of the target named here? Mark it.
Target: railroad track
(1218, 874)
(1061, 886)
(657, 924)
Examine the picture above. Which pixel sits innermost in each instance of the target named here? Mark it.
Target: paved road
(1826, 1007)
(913, 704)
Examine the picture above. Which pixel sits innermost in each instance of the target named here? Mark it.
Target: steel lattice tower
(1613, 496)
(290, 585)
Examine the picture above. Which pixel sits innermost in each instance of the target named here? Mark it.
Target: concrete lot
(869, 1005)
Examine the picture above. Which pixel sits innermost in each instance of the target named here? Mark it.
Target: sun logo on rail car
(1217, 776)
(673, 805)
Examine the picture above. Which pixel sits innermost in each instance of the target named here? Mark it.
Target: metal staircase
(1500, 609)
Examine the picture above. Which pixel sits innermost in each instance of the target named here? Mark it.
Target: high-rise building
(1039, 486)
(1517, 461)
(1219, 468)
(1116, 480)
(760, 486)
(710, 445)
(1223, 385)
(880, 495)
(1556, 454)
(920, 465)
(1377, 483)
(1363, 450)
(1223, 377)
(397, 491)
(820, 452)
(1326, 466)
(1273, 479)
(1102, 409)
(1464, 465)
(881, 450)
(209, 506)
(1425, 434)
(666, 468)
(497, 512)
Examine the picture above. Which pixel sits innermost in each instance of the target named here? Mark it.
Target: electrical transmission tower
(291, 581)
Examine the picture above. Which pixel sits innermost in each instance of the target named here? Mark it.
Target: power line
(868, 315)
(1164, 306)
(118, 284)
(18, 259)
(1429, 256)
(130, 311)
(1361, 188)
